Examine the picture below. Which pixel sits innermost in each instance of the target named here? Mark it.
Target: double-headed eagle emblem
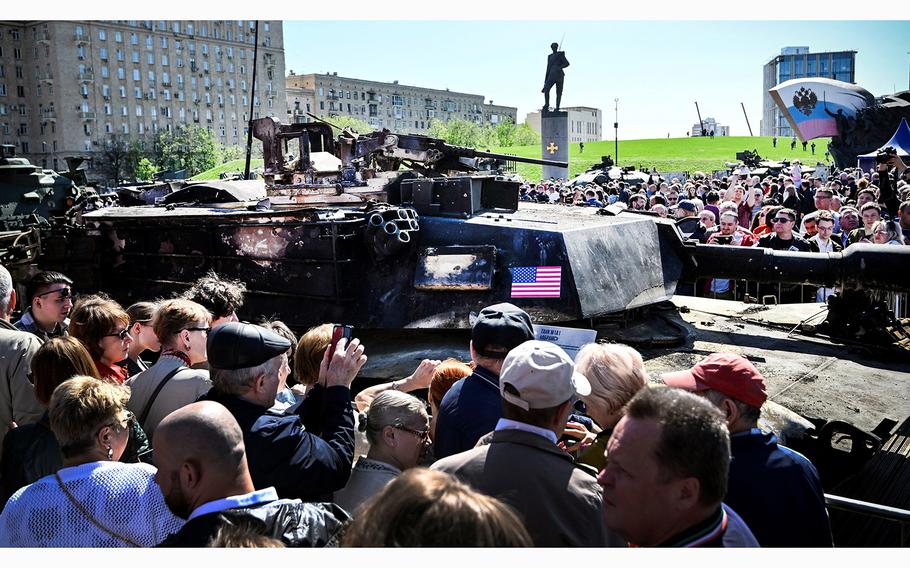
(805, 100)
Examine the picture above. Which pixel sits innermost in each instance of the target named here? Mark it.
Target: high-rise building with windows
(400, 108)
(799, 63)
(67, 86)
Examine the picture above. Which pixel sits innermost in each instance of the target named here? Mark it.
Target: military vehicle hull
(308, 266)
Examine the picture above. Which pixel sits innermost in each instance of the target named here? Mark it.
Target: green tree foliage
(114, 158)
(191, 148)
(460, 132)
(237, 152)
(341, 122)
(525, 135)
(144, 170)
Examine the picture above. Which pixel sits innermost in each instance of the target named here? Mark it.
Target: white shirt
(124, 498)
(825, 246)
(266, 495)
(506, 424)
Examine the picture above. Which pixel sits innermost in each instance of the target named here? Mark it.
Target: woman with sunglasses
(102, 325)
(93, 500)
(182, 328)
(398, 428)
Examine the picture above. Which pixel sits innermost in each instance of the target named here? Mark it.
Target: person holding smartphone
(247, 367)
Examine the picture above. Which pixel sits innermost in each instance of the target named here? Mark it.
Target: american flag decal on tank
(536, 281)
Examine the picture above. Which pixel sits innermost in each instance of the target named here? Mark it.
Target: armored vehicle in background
(34, 196)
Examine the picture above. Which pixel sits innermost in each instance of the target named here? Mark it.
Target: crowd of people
(792, 211)
(876, 204)
(171, 423)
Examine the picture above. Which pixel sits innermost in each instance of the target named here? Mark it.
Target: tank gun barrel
(472, 153)
(858, 266)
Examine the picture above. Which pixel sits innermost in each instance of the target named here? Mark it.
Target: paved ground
(810, 376)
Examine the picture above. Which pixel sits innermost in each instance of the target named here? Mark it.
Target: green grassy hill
(666, 154)
(232, 166)
(673, 154)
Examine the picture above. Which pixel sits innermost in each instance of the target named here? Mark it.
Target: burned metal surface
(456, 268)
(292, 154)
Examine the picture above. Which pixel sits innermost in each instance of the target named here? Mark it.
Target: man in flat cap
(776, 490)
(472, 406)
(246, 371)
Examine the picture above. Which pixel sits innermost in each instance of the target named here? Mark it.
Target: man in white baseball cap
(523, 466)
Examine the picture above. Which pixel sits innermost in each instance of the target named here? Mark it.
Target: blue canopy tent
(900, 142)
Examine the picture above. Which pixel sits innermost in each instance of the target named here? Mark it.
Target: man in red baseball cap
(774, 489)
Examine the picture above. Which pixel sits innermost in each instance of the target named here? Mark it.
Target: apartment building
(585, 123)
(400, 108)
(67, 86)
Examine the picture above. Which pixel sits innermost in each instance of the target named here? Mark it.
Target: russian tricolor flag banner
(817, 107)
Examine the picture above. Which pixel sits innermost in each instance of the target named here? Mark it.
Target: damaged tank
(338, 231)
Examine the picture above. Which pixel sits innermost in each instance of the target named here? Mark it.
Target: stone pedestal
(554, 142)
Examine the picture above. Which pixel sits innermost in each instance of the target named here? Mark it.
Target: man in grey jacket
(523, 466)
(17, 396)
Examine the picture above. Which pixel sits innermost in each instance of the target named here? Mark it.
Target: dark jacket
(470, 409)
(30, 452)
(797, 243)
(777, 492)
(713, 533)
(293, 522)
(281, 453)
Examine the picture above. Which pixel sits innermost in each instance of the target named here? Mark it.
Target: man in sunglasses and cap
(470, 409)
(522, 466)
(51, 296)
(248, 364)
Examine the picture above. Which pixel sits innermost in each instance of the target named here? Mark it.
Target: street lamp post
(616, 132)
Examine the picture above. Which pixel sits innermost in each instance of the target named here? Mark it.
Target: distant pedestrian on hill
(581, 147)
(813, 148)
(804, 145)
(774, 141)
(793, 143)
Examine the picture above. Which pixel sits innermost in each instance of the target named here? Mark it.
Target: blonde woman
(93, 500)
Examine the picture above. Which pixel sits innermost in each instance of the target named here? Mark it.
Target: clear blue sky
(656, 69)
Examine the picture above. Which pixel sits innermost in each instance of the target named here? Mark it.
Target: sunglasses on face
(124, 423)
(64, 293)
(782, 220)
(421, 435)
(122, 334)
(204, 330)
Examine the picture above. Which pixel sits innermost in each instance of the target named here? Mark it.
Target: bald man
(203, 474)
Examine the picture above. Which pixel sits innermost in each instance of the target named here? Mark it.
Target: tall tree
(190, 148)
(114, 158)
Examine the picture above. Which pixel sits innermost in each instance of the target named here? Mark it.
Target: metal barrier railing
(855, 506)
(777, 293)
